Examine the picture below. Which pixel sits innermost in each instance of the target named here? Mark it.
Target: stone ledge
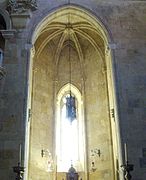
(8, 34)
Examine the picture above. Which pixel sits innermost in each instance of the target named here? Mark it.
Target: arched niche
(74, 27)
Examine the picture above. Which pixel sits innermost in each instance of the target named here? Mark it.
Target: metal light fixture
(70, 99)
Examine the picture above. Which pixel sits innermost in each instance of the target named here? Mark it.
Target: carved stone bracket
(19, 11)
(21, 6)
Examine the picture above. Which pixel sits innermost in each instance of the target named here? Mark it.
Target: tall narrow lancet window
(69, 130)
(70, 127)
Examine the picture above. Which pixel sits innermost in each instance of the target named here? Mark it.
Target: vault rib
(88, 27)
(91, 40)
(49, 38)
(80, 53)
(53, 27)
(58, 51)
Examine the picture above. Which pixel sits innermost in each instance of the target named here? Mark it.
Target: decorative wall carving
(21, 6)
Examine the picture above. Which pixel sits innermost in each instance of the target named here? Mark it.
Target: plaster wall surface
(41, 134)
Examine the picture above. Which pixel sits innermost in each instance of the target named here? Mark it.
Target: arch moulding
(105, 35)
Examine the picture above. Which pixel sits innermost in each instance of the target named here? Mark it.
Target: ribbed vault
(72, 33)
(70, 48)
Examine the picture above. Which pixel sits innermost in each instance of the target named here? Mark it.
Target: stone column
(13, 100)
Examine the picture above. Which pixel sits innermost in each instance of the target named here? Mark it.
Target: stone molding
(21, 6)
(8, 34)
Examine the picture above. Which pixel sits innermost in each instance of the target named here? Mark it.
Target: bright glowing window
(69, 135)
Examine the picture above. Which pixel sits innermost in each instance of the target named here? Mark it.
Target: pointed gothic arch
(105, 54)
